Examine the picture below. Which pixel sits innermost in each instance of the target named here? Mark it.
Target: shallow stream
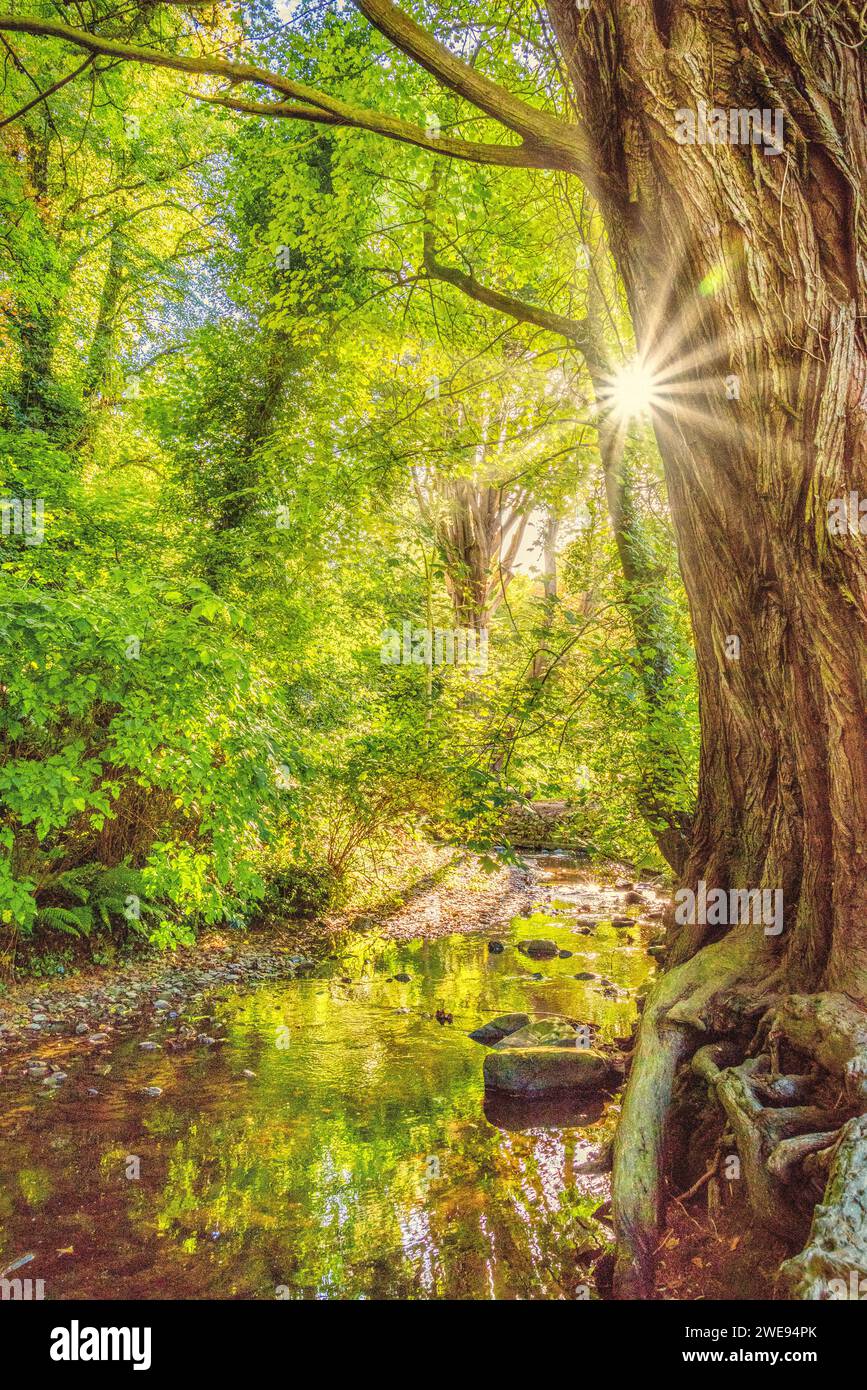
(335, 1141)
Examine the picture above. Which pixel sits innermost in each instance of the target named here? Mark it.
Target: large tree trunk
(745, 269)
(745, 274)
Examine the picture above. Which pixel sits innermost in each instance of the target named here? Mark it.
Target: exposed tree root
(760, 1134)
(794, 1112)
(696, 997)
(833, 1264)
(831, 1028)
(789, 1153)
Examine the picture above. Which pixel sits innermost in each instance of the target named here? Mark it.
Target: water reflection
(358, 1160)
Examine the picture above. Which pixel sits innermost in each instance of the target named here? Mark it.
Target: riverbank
(389, 979)
(60, 1016)
(250, 1117)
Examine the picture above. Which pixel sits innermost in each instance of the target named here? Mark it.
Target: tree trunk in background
(36, 338)
(746, 292)
(101, 354)
(37, 326)
(548, 537)
(478, 530)
(239, 479)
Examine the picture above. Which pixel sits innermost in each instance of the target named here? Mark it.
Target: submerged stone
(499, 1028)
(302, 964)
(538, 947)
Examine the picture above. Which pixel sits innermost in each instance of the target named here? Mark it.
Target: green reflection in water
(359, 1161)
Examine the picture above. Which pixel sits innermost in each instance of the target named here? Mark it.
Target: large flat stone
(544, 1071)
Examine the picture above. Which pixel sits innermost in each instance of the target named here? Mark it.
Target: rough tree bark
(751, 266)
(784, 761)
(748, 265)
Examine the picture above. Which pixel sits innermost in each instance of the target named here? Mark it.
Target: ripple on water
(359, 1160)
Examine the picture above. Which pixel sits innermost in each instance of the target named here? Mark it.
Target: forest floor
(717, 1255)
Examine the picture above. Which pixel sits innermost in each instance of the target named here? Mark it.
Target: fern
(73, 921)
(103, 895)
(73, 882)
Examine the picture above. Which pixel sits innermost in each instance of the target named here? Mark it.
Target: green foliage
(298, 890)
(103, 897)
(250, 471)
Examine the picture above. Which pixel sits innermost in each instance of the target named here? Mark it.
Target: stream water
(336, 1142)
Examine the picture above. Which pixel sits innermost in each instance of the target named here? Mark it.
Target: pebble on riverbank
(81, 1012)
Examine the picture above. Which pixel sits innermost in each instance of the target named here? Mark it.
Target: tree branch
(558, 137)
(113, 48)
(305, 102)
(575, 330)
(49, 91)
(475, 152)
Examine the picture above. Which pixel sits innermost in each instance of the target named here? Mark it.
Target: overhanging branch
(475, 152)
(574, 330)
(49, 92)
(538, 151)
(564, 141)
